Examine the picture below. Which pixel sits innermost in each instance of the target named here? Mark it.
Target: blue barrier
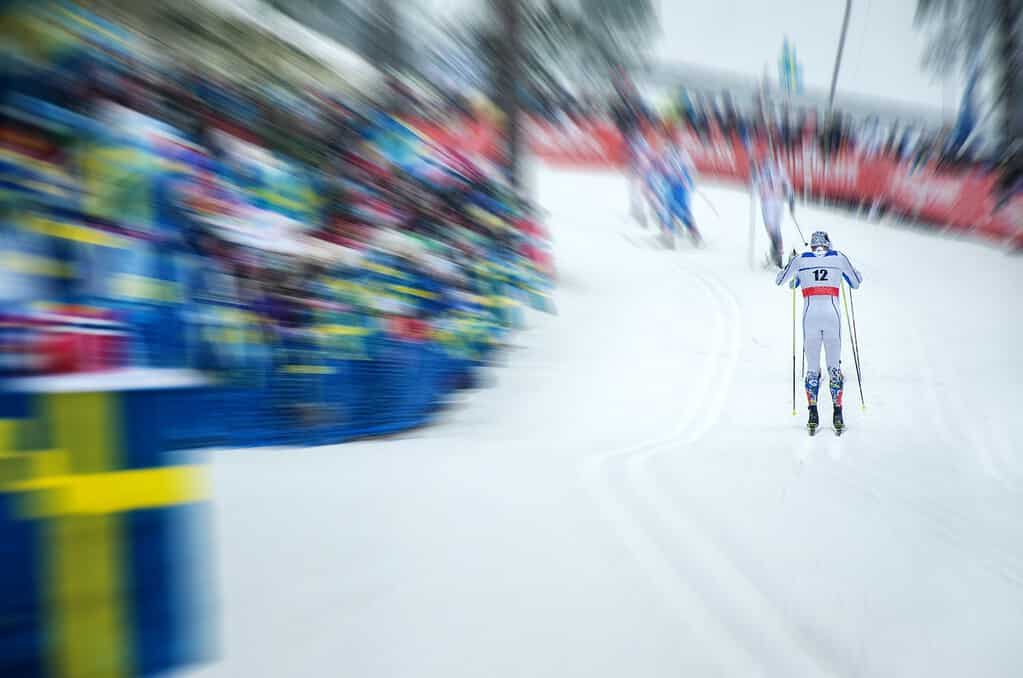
(307, 396)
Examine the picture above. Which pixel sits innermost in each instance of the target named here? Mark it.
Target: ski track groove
(643, 547)
(692, 553)
(780, 649)
(954, 528)
(773, 637)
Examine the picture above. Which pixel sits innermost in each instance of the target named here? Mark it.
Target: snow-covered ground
(632, 496)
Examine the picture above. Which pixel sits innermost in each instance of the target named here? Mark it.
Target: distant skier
(772, 184)
(678, 180)
(645, 172)
(630, 115)
(819, 274)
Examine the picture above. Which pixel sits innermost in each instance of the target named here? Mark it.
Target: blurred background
(239, 223)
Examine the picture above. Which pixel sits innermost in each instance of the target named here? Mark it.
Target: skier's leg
(664, 216)
(669, 233)
(667, 221)
(645, 202)
(833, 354)
(635, 180)
(771, 210)
(649, 200)
(774, 231)
(636, 190)
(776, 248)
(680, 208)
(812, 346)
(832, 339)
(812, 341)
(836, 381)
(694, 232)
(667, 213)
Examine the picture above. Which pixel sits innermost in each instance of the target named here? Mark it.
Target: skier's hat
(820, 239)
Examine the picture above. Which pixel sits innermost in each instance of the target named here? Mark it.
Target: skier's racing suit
(820, 279)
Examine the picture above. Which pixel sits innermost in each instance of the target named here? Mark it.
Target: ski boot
(836, 381)
(694, 236)
(812, 383)
(814, 421)
(668, 238)
(668, 232)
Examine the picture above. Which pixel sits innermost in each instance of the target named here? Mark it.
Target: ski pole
(850, 320)
(796, 222)
(709, 203)
(856, 336)
(793, 349)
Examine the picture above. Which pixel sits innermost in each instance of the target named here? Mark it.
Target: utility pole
(838, 57)
(507, 80)
(1009, 45)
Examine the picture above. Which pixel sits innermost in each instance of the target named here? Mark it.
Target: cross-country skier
(774, 188)
(629, 116)
(678, 179)
(819, 274)
(645, 174)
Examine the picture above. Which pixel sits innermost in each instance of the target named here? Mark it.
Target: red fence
(963, 201)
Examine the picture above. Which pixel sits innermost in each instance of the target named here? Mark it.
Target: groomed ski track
(632, 497)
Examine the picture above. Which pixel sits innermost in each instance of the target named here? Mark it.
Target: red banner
(960, 200)
(591, 144)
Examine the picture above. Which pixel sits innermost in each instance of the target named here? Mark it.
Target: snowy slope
(633, 497)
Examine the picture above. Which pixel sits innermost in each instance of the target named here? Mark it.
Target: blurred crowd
(839, 132)
(190, 219)
(213, 250)
(949, 148)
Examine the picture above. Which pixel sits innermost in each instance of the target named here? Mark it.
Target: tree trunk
(1009, 42)
(507, 80)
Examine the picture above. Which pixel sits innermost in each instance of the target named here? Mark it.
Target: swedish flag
(96, 580)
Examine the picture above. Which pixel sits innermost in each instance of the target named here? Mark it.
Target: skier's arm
(788, 272)
(851, 275)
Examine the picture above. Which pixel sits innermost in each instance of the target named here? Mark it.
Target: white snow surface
(633, 497)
